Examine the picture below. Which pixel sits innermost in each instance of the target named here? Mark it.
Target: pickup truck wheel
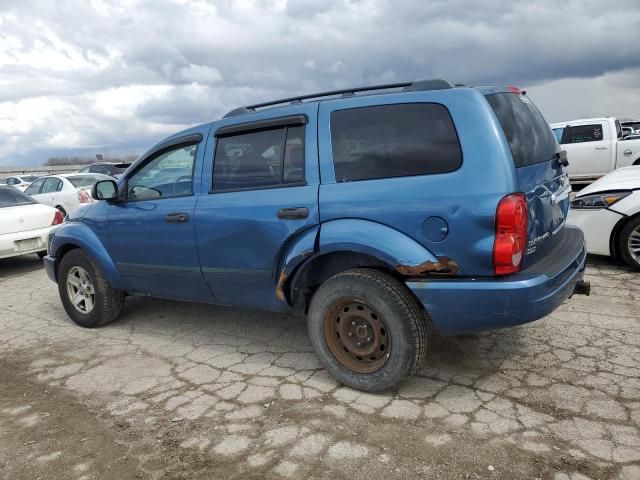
(367, 329)
(86, 295)
(629, 243)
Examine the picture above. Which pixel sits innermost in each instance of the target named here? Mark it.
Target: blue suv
(386, 214)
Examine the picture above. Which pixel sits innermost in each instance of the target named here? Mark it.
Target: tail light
(511, 234)
(58, 218)
(84, 197)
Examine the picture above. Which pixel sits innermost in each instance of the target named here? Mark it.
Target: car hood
(627, 178)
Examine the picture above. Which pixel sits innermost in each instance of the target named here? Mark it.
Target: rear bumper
(22, 243)
(471, 305)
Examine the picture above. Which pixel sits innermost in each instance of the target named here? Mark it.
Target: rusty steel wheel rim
(357, 336)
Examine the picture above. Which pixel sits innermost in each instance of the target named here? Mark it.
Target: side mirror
(105, 190)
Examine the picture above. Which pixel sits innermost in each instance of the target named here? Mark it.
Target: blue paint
(234, 250)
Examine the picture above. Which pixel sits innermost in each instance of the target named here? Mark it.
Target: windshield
(11, 197)
(529, 135)
(80, 181)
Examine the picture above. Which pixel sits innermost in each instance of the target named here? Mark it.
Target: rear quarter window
(530, 137)
(387, 141)
(583, 133)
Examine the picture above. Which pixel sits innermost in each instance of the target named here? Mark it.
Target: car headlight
(598, 200)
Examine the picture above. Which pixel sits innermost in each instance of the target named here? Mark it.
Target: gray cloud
(88, 75)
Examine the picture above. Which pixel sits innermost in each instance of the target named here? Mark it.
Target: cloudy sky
(114, 76)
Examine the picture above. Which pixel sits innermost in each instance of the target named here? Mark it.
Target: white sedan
(65, 192)
(608, 212)
(21, 182)
(24, 224)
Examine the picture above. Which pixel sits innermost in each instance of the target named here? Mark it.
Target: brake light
(84, 197)
(58, 218)
(511, 234)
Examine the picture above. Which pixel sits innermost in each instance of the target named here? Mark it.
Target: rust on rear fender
(444, 266)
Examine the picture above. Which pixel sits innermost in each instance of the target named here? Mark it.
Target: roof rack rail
(420, 85)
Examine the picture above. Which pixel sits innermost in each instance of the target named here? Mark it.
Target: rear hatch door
(541, 175)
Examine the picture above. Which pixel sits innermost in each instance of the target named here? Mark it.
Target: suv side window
(583, 133)
(34, 188)
(259, 159)
(393, 141)
(169, 174)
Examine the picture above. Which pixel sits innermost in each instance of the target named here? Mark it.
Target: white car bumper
(597, 226)
(21, 243)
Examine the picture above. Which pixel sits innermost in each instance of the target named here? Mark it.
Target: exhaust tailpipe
(582, 288)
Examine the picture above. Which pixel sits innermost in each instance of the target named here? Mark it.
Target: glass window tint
(51, 185)
(11, 197)
(558, 132)
(259, 159)
(584, 133)
(34, 188)
(393, 141)
(170, 174)
(13, 181)
(528, 133)
(80, 181)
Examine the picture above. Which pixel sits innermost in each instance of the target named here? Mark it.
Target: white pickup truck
(595, 147)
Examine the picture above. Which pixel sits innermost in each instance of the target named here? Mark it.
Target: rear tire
(629, 243)
(86, 295)
(367, 329)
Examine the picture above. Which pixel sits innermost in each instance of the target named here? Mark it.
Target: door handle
(177, 217)
(294, 213)
(601, 148)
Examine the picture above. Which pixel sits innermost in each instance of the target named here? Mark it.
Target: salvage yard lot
(176, 390)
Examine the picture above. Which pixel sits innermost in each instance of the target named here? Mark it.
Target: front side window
(34, 188)
(169, 174)
(583, 133)
(393, 141)
(259, 159)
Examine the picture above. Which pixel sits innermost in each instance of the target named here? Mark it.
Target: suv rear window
(528, 133)
(393, 141)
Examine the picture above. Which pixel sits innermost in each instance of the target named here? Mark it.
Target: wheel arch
(615, 234)
(73, 235)
(352, 243)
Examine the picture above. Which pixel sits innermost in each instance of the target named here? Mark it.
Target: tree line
(87, 160)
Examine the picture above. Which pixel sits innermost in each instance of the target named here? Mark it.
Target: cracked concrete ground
(176, 390)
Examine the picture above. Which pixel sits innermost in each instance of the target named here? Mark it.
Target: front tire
(86, 295)
(367, 329)
(629, 243)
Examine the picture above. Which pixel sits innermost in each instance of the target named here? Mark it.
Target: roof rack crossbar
(435, 84)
